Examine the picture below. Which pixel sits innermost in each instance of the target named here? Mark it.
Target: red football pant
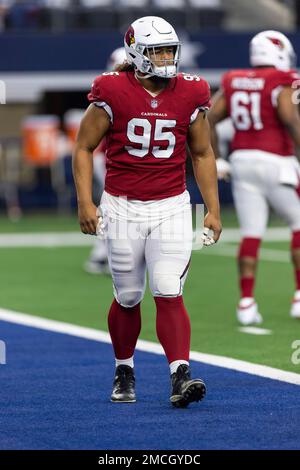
(295, 247)
(173, 327)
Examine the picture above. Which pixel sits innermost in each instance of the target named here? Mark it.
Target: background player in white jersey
(148, 112)
(97, 262)
(264, 169)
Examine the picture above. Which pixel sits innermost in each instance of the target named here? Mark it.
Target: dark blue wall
(89, 51)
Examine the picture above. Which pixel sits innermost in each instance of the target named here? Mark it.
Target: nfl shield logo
(154, 104)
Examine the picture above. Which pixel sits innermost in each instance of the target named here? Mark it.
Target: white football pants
(153, 236)
(261, 180)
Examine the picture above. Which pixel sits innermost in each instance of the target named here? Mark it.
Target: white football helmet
(117, 57)
(272, 48)
(144, 36)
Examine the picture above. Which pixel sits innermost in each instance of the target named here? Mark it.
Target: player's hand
(213, 223)
(223, 169)
(90, 219)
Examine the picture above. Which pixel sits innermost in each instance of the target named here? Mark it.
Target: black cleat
(184, 389)
(123, 386)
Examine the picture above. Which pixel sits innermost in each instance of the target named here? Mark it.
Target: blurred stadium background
(50, 52)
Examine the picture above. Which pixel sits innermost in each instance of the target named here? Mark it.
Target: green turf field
(50, 282)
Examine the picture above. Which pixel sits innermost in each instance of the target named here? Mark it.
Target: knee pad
(129, 298)
(168, 277)
(166, 285)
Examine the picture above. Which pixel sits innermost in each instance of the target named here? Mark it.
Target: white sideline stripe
(273, 234)
(47, 240)
(253, 330)
(147, 346)
(54, 239)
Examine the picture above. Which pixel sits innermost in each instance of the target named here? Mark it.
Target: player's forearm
(294, 131)
(214, 141)
(216, 114)
(206, 177)
(83, 174)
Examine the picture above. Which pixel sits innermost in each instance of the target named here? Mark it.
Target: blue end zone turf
(55, 393)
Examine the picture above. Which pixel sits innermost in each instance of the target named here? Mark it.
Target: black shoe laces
(183, 372)
(124, 377)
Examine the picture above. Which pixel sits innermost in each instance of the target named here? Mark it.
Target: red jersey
(146, 143)
(251, 100)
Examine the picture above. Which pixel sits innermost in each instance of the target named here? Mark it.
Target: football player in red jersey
(148, 112)
(264, 169)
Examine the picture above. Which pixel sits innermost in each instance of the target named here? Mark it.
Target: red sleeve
(100, 90)
(199, 92)
(94, 94)
(202, 95)
(101, 94)
(289, 78)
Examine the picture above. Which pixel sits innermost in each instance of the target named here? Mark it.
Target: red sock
(297, 278)
(249, 247)
(124, 327)
(295, 245)
(247, 286)
(173, 327)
